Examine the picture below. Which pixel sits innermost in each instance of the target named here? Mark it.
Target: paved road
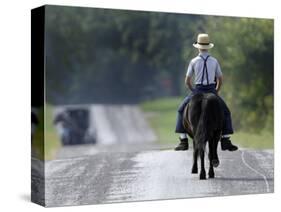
(111, 124)
(103, 177)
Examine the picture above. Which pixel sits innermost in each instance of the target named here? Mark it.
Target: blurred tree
(244, 47)
(124, 55)
(119, 56)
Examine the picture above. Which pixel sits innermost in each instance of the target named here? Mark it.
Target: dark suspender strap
(205, 69)
(205, 64)
(202, 78)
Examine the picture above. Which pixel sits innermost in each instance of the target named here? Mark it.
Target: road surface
(104, 177)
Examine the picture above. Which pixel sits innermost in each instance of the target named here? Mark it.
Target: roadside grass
(161, 114)
(37, 145)
(46, 150)
(262, 140)
(52, 142)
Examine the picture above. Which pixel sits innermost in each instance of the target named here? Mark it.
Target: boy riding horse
(208, 79)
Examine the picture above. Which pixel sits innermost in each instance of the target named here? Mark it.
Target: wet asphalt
(98, 176)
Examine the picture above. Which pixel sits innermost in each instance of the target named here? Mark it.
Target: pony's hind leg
(213, 154)
(215, 140)
(211, 168)
(211, 160)
(195, 156)
(202, 171)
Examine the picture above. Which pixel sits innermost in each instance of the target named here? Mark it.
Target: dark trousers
(227, 122)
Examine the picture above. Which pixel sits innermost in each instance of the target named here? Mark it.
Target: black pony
(203, 118)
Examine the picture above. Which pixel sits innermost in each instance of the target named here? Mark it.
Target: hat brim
(199, 46)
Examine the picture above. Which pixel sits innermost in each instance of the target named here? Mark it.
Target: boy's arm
(219, 77)
(188, 77)
(219, 83)
(188, 82)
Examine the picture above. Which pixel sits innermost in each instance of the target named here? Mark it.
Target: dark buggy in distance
(73, 126)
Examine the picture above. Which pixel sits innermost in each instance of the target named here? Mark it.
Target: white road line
(254, 170)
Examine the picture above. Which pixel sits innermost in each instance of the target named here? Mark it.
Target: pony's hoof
(202, 176)
(215, 162)
(211, 175)
(194, 170)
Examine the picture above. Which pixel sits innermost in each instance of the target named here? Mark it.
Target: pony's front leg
(202, 171)
(195, 156)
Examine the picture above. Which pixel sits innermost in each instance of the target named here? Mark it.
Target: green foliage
(94, 51)
(45, 140)
(119, 56)
(38, 137)
(52, 141)
(244, 47)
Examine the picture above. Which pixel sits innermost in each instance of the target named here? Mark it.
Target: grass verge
(46, 150)
(161, 114)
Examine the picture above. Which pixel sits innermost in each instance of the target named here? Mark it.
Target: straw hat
(203, 42)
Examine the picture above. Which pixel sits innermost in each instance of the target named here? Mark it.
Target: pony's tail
(200, 136)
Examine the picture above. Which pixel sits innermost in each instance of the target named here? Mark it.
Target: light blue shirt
(196, 68)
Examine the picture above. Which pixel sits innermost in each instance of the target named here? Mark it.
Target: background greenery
(119, 56)
(49, 148)
(161, 115)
